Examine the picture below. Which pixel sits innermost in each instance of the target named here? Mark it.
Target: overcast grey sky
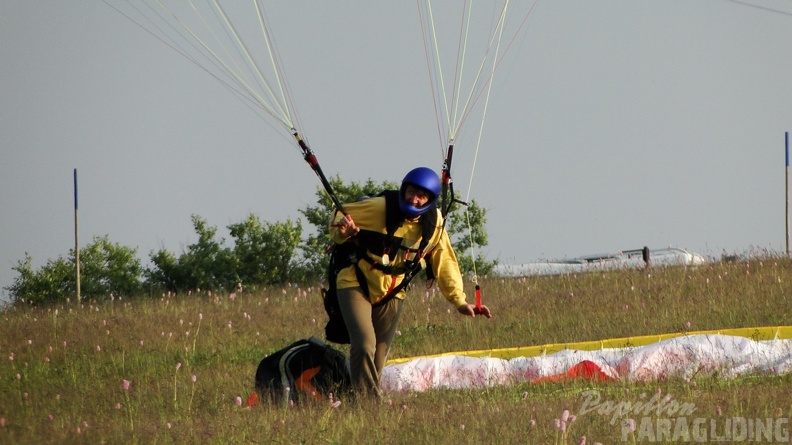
(611, 125)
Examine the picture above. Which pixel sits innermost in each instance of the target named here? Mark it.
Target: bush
(105, 269)
(205, 265)
(51, 282)
(263, 254)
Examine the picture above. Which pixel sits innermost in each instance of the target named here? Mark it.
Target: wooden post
(76, 236)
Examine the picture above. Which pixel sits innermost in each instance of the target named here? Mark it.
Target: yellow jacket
(369, 214)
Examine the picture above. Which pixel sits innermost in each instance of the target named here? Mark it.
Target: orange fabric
(253, 400)
(303, 383)
(585, 370)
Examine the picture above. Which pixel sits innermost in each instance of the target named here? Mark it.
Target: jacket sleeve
(368, 215)
(446, 269)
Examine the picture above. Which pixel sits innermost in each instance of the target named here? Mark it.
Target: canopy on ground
(729, 353)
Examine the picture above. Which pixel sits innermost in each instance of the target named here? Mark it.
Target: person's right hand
(346, 226)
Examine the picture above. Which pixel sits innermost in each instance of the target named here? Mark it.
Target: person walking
(392, 235)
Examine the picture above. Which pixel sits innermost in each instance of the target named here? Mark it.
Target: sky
(610, 125)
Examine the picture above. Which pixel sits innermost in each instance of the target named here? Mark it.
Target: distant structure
(637, 258)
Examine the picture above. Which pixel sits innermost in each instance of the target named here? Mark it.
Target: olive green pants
(371, 331)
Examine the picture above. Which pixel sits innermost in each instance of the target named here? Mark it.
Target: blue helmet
(426, 179)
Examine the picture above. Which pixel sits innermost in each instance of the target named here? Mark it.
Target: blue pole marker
(75, 185)
(787, 148)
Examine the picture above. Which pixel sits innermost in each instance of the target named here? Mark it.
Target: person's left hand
(471, 310)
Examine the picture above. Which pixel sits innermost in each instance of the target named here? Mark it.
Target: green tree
(265, 252)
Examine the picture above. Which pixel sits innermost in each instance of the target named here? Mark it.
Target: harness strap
(373, 241)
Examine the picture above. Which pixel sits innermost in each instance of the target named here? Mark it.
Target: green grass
(62, 367)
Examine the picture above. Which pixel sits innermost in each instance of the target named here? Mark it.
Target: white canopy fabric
(679, 357)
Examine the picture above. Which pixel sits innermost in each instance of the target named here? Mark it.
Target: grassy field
(174, 369)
